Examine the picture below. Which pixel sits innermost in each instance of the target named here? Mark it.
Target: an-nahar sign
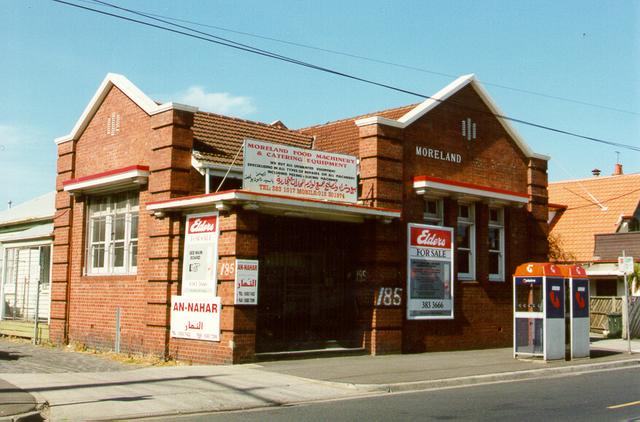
(429, 272)
(200, 254)
(246, 291)
(285, 170)
(195, 317)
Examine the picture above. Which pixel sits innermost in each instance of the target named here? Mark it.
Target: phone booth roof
(538, 269)
(573, 271)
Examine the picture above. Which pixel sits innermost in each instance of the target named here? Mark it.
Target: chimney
(595, 172)
(617, 170)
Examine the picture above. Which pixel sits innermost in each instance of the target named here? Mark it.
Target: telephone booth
(539, 306)
(577, 285)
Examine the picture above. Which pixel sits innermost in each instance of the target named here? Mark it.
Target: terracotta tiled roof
(342, 135)
(216, 138)
(583, 217)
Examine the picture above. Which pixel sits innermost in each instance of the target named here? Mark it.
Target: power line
(365, 58)
(267, 53)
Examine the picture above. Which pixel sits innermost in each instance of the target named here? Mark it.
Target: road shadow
(9, 355)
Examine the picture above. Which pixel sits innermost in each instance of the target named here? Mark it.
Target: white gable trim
(130, 90)
(446, 92)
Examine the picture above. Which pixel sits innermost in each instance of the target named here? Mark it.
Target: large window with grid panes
(112, 234)
(433, 211)
(466, 241)
(496, 244)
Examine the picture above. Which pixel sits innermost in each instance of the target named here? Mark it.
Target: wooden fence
(602, 306)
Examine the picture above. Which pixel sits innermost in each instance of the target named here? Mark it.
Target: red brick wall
(84, 307)
(483, 309)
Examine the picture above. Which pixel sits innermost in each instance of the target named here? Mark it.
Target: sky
(55, 56)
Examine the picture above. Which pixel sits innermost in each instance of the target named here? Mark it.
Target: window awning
(275, 204)
(108, 181)
(427, 185)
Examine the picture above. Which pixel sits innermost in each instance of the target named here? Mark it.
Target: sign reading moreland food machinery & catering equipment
(285, 170)
(429, 272)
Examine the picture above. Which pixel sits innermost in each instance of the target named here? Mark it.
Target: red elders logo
(202, 225)
(433, 238)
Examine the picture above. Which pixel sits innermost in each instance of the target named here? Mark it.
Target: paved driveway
(17, 356)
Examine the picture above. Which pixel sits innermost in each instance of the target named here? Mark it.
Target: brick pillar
(482, 241)
(62, 223)
(538, 208)
(382, 245)
(238, 240)
(170, 165)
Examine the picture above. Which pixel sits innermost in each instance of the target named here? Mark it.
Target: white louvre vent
(468, 127)
(113, 124)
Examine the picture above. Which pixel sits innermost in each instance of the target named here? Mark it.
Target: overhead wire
(247, 48)
(375, 60)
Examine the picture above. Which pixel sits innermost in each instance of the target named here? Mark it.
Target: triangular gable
(442, 95)
(130, 90)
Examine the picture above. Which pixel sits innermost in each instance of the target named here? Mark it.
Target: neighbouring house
(215, 239)
(595, 220)
(26, 239)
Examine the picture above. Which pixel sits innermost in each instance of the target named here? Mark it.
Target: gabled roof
(594, 206)
(130, 90)
(345, 132)
(41, 208)
(217, 139)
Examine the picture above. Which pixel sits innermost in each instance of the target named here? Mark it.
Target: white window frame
(436, 219)
(131, 209)
(499, 225)
(469, 221)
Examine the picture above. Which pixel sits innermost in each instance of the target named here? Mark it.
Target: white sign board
(285, 170)
(195, 317)
(200, 254)
(429, 272)
(625, 264)
(246, 291)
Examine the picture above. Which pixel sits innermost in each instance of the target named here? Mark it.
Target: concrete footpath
(123, 392)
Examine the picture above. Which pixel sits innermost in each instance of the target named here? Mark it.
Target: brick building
(331, 273)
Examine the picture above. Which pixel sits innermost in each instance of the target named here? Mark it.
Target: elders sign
(200, 254)
(285, 170)
(429, 272)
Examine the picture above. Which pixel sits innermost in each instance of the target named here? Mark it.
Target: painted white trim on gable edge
(130, 90)
(446, 92)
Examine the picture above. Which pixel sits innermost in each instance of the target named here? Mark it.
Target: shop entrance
(306, 298)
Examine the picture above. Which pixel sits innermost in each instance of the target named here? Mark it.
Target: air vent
(113, 124)
(468, 129)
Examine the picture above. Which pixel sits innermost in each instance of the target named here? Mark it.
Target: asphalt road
(599, 396)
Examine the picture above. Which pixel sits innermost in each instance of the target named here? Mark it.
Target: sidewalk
(122, 393)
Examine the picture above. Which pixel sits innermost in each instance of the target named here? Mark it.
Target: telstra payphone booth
(577, 284)
(539, 307)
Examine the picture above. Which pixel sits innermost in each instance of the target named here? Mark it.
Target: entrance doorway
(306, 298)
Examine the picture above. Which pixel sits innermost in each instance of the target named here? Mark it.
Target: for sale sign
(195, 317)
(429, 272)
(200, 254)
(286, 170)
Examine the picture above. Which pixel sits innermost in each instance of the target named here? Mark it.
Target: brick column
(382, 245)
(538, 208)
(62, 223)
(238, 240)
(169, 165)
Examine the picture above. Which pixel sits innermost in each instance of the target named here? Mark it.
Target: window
(466, 242)
(496, 244)
(433, 211)
(112, 245)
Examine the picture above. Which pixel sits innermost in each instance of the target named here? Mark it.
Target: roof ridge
(332, 122)
(254, 122)
(594, 178)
